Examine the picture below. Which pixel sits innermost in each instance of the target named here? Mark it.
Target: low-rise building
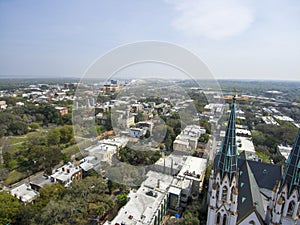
(66, 174)
(187, 140)
(137, 132)
(3, 105)
(188, 183)
(170, 165)
(146, 125)
(175, 179)
(285, 150)
(40, 181)
(103, 152)
(24, 193)
(148, 204)
(269, 120)
(88, 163)
(62, 110)
(119, 142)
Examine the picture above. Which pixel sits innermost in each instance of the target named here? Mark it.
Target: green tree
(9, 206)
(34, 126)
(122, 199)
(53, 136)
(66, 133)
(18, 128)
(67, 119)
(204, 138)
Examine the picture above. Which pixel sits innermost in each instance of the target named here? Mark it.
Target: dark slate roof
(291, 175)
(266, 175)
(249, 198)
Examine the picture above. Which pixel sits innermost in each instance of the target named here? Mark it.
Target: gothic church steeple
(228, 153)
(291, 176)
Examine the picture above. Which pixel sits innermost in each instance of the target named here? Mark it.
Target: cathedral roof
(249, 198)
(266, 174)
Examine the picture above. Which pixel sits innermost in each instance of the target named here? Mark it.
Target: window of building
(224, 219)
(252, 222)
(217, 192)
(291, 208)
(283, 204)
(231, 194)
(218, 219)
(224, 193)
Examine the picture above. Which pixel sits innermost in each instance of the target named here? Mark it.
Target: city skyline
(236, 40)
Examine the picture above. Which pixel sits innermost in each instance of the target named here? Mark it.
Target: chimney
(68, 170)
(158, 182)
(63, 169)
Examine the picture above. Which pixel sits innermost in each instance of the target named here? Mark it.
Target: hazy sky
(255, 39)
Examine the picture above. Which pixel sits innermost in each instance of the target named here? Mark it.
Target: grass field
(14, 176)
(264, 157)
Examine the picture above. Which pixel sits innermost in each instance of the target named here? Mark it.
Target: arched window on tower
(291, 208)
(218, 218)
(217, 192)
(231, 194)
(225, 220)
(283, 204)
(252, 222)
(224, 193)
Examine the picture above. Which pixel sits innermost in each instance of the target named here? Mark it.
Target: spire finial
(234, 91)
(234, 94)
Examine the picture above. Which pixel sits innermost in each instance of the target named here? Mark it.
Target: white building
(24, 193)
(187, 140)
(284, 150)
(188, 182)
(162, 191)
(119, 142)
(148, 204)
(137, 132)
(103, 152)
(66, 174)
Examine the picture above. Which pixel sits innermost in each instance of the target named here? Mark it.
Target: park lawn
(71, 150)
(14, 176)
(264, 157)
(75, 148)
(17, 139)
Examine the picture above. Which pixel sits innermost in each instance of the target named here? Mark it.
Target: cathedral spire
(291, 175)
(227, 163)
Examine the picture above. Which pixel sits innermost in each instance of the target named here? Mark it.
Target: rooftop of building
(24, 193)
(65, 172)
(40, 180)
(175, 161)
(245, 144)
(193, 167)
(100, 147)
(116, 141)
(145, 201)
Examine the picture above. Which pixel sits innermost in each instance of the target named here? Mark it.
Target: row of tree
(136, 157)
